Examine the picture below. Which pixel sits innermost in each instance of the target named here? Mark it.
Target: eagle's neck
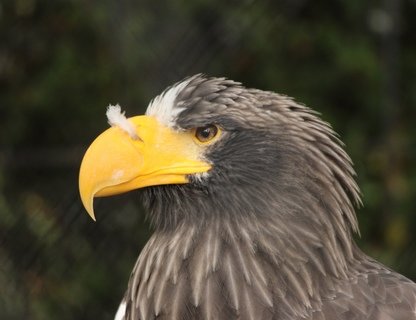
(234, 267)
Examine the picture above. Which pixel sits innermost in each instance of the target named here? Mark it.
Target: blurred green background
(63, 62)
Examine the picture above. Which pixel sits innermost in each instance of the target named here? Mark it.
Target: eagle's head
(209, 148)
(267, 172)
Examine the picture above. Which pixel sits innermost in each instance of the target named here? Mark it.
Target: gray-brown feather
(268, 233)
(247, 285)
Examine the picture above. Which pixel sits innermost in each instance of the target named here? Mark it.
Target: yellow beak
(116, 163)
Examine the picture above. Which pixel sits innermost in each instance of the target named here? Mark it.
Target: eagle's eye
(206, 133)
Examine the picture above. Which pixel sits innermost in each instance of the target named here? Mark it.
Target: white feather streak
(121, 311)
(297, 286)
(264, 293)
(232, 282)
(198, 276)
(187, 242)
(216, 249)
(163, 106)
(177, 300)
(209, 305)
(116, 118)
(243, 264)
(209, 250)
(251, 314)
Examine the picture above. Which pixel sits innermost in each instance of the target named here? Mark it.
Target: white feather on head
(116, 118)
(163, 106)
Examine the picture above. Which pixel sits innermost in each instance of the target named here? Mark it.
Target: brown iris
(206, 133)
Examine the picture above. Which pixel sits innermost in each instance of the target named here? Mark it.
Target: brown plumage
(267, 232)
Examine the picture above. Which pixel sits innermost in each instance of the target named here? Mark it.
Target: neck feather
(235, 267)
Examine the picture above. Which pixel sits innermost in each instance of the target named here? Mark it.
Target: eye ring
(206, 133)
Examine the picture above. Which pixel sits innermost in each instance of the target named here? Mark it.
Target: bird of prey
(251, 197)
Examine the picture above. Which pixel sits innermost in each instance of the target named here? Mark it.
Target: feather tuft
(116, 118)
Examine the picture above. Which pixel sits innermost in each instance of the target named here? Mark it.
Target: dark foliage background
(62, 62)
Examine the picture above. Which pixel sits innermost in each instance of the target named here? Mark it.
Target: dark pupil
(206, 133)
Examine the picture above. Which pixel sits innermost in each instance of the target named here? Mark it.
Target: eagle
(252, 200)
